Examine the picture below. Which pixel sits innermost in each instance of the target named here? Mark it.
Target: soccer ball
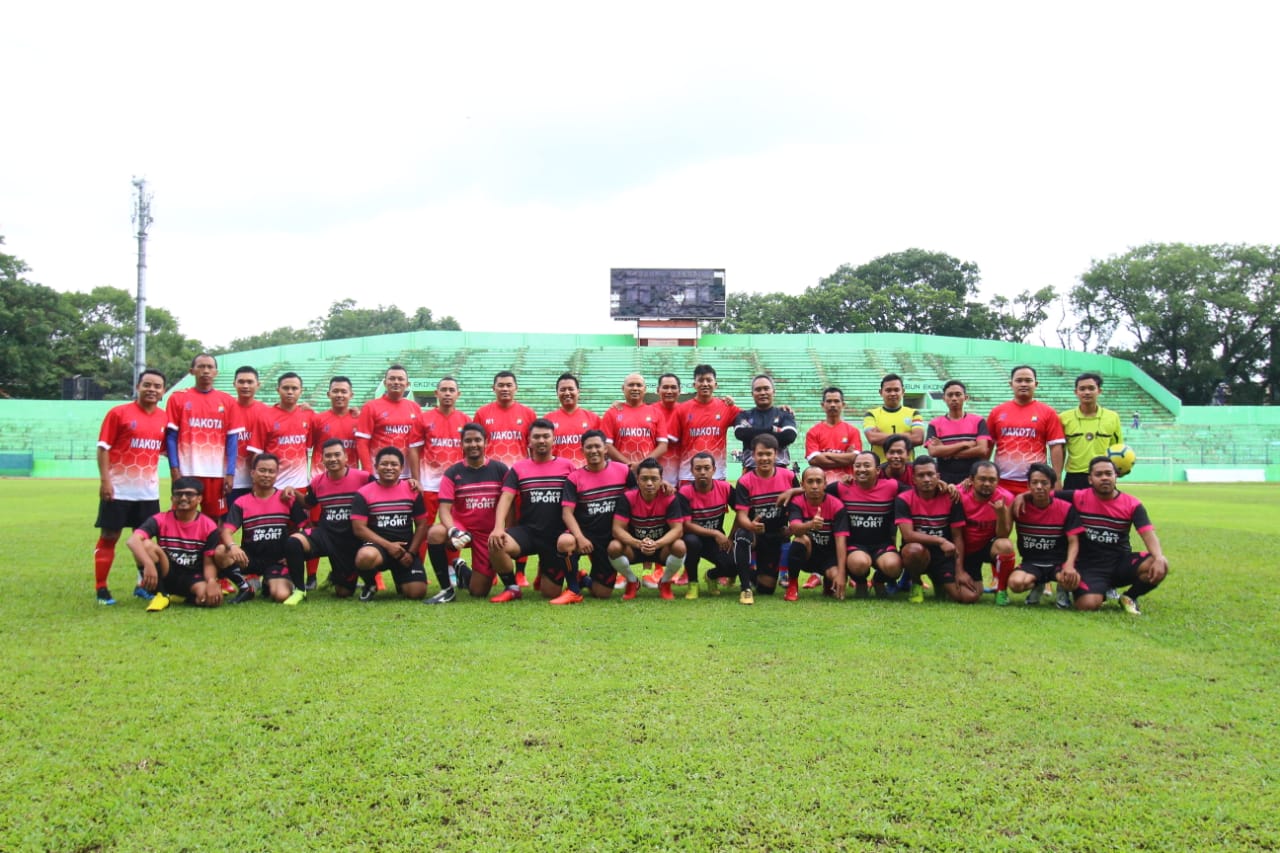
(1123, 457)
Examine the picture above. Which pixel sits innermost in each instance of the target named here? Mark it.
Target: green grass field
(697, 725)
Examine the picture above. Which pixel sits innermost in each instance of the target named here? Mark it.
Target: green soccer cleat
(1002, 598)
(1130, 605)
(916, 596)
(295, 598)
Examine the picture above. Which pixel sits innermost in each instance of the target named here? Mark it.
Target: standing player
(1048, 537)
(703, 423)
(286, 434)
(988, 523)
(819, 535)
(765, 419)
(175, 550)
(1089, 430)
(338, 422)
(588, 503)
(390, 421)
(250, 413)
(648, 525)
(203, 430)
(440, 432)
(266, 516)
(571, 421)
(331, 495)
(129, 447)
(869, 502)
(707, 501)
(761, 518)
(932, 527)
(833, 443)
(956, 439)
(892, 418)
(668, 399)
(390, 519)
(636, 430)
(1023, 429)
(538, 482)
(509, 425)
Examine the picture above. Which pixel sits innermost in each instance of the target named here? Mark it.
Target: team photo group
(1022, 500)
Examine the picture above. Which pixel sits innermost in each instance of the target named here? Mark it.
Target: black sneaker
(368, 591)
(310, 585)
(444, 596)
(104, 596)
(245, 594)
(463, 573)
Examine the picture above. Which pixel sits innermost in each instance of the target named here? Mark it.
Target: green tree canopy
(346, 320)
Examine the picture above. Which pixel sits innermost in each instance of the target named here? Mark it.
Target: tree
(345, 320)
(35, 325)
(1191, 316)
(274, 338)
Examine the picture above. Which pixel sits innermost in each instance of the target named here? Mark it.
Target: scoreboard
(666, 294)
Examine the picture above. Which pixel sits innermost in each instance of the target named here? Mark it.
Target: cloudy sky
(493, 162)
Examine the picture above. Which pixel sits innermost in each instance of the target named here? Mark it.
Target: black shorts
(117, 515)
(974, 562)
(534, 541)
(1122, 570)
(768, 551)
(1042, 572)
(1075, 481)
(601, 571)
(941, 570)
(415, 572)
(268, 570)
(180, 583)
(340, 551)
(816, 562)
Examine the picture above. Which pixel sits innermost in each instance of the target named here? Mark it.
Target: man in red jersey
(203, 432)
(332, 494)
(285, 432)
(390, 421)
(251, 413)
(956, 439)
(668, 399)
(819, 531)
(988, 524)
(762, 517)
(648, 525)
(707, 500)
(265, 515)
(175, 550)
(338, 422)
(636, 430)
(703, 423)
(1023, 429)
(440, 433)
(588, 504)
(129, 447)
(571, 420)
(390, 519)
(509, 425)
(832, 444)
(932, 527)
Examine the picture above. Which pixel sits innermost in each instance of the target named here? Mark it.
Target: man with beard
(589, 502)
(932, 527)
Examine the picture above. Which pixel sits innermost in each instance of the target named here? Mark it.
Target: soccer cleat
(104, 596)
(1112, 594)
(620, 583)
(902, 584)
(1130, 605)
(813, 582)
(158, 602)
(462, 572)
(746, 597)
(140, 592)
(630, 591)
(444, 596)
(664, 591)
(916, 596)
(368, 591)
(681, 578)
(567, 597)
(987, 590)
(652, 579)
(1002, 598)
(882, 591)
(295, 598)
(521, 580)
(861, 591)
(713, 585)
(793, 591)
(1063, 600)
(312, 584)
(242, 596)
(509, 594)
(227, 586)
(1037, 591)
(691, 593)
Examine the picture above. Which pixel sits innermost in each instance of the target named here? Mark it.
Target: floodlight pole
(142, 218)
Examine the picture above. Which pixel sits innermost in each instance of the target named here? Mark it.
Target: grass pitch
(697, 725)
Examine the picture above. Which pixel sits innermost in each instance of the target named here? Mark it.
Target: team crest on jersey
(1034, 418)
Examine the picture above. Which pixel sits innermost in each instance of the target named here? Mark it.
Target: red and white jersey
(508, 431)
(252, 431)
(288, 435)
(1022, 435)
(704, 426)
(441, 438)
(569, 430)
(134, 440)
(202, 420)
(384, 423)
(842, 437)
(636, 430)
(327, 425)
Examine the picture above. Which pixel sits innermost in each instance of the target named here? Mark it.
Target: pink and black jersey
(327, 425)
(134, 440)
(288, 436)
(635, 430)
(907, 476)
(1106, 524)
(950, 430)
(835, 522)
(842, 437)
(389, 511)
(266, 523)
(704, 427)
(593, 496)
(1042, 533)
(185, 543)
(649, 519)
(759, 497)
(508, 430)
(980, 519)
(568, 433)
(335, 497)
(539, 485)
(253, 428)
(386, 423)
(707, 509)
(935, 516)
(441, 439)
(869, 512)
(1022, 435)
(472, 495)
(203, 420)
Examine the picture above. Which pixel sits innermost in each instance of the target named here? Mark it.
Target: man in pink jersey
(588, 504)
(819, 529)
(203, 431)
(932, 528)
(251, 413)
(707, 501)
(331, 494)
(648, 525)
(988, 524)
(509, 424)
(1023, 429)
(833, 443)
(956, 439)
(869, 507)
(704, 422)
(174, 550)
(571, 420)
(761, 518)
(265, 516)
(390, 421)
(1049, 531)
(129, 447)
(390, 519)
(636, 430)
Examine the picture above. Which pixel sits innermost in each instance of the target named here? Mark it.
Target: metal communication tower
(141, 218)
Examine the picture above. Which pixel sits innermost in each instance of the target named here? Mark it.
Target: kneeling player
(819, 536)
(332, 492)
(648, 526)
(868, 505)
(589, 501)
(932, 526)
(706, 500)
(265, 516)
(762, 522)
(988, 523)
(174, 550)
(390, 518)
(1048, 536)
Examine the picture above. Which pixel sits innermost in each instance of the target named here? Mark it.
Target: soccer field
(692, 725)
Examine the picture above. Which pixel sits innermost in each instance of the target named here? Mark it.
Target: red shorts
(213, 502)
